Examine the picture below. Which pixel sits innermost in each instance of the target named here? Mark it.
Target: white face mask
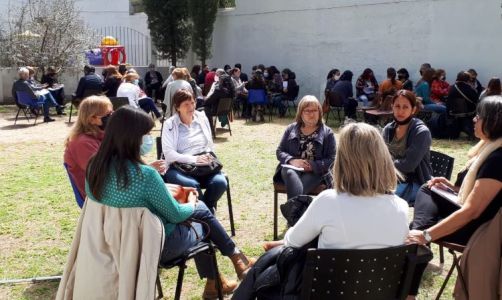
(337, 77)
(265, 74)
(216, 78)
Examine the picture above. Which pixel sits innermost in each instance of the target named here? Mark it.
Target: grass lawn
(38, 213)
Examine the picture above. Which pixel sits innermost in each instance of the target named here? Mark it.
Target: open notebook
(451, 197)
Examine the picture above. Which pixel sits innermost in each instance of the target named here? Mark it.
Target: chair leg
(215, 265)
(441, 254)
(275, 215)
(71, 110)
(25, 115)
(179, 283)
(18, 110)
(456, 261)
(159, 286)
(229, 128)
(454, 265)
(230, 210)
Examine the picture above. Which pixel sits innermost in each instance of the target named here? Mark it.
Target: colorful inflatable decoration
(109, 41)
(111, 52)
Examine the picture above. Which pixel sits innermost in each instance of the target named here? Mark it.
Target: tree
(44, 33)
(203, 14)
(170, 28)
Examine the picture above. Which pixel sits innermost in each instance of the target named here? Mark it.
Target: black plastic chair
(295, 91)
(335, 104)
(224, 110)
(181, 263)
(442, 164)
(350, 274)
(158, 143)
(76, 102)
(118, 102)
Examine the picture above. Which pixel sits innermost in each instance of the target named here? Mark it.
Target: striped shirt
(191, 139)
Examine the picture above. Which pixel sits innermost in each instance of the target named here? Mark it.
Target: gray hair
(489, 110)
(22, 71)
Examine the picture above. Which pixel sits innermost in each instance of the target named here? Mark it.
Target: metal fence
(137, 45)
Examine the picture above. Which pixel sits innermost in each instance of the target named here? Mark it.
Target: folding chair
(224, 110)
(76, 102)
(335, 104)
(118, 102)
(181, 262)
(350, 274)
(26, 103)
(453, 249)
(295, 91)
(442, 166)
(78, 197)
(158, 143)
(280, 188)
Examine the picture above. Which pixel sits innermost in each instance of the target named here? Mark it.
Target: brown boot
(242, 264)
(211, 292)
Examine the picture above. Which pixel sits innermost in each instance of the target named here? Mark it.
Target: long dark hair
(123, 137)
(391, 74)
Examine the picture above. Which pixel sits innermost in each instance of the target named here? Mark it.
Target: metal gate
(137, 45)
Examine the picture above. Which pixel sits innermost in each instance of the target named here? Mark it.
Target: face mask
(146, 145)
(404, 122)
(136, 81)
(337, 77)
(104, 120)
(265, 74)
(216, 78)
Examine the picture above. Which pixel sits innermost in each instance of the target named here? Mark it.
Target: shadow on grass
(41, 290)
(17, 126)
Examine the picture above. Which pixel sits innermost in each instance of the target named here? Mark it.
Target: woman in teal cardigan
(118, 177)
(423, 90)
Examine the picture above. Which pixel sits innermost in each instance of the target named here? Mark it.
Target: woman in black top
(224, 89)
(113, 80)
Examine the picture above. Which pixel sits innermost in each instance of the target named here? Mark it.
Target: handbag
(196, 170)
(294, 208)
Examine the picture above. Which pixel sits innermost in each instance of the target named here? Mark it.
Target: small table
(380, 117)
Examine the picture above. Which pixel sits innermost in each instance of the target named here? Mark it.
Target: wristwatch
(427, 236)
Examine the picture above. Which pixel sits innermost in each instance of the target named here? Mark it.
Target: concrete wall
(69, 78)
(311, 37)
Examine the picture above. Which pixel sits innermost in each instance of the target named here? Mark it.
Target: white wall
(311, 37)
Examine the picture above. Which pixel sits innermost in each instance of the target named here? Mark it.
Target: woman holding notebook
(307, 150)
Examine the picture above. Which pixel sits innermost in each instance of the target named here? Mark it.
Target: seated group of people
(48, 93)
(371, 173)
(454, 105)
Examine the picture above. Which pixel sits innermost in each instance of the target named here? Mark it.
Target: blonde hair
(186, 74)
(363, 164)
(129, 77)
(89, 107)
(307, 101)
(177, 73)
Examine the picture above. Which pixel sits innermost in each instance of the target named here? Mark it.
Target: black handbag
(195, 170)
(294, 208)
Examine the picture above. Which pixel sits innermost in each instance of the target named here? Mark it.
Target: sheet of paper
(292, 167)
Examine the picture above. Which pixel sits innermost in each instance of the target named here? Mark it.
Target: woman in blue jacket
(409, 141)
(306, 151)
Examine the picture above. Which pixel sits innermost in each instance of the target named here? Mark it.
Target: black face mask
(404, 122)
(104, 120)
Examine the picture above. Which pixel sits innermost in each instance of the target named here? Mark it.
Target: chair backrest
(119, 101)
(295, 90)
(24, 98)
(334, 99)
(224, 106)
(158, 143)
(359, 274)
(257, 96)
(78, 197)
(91, 92)
(442, 164)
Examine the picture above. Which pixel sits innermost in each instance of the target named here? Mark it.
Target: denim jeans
(148, 105)
(439, 108)
(215, 185)
(184, 237)
(278, 101)
(364, 99)
(408, 194)
(48, 101)
(299, 183)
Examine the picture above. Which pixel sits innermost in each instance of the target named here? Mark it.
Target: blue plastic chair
(78, 197)
(258, 97)
(25, 103)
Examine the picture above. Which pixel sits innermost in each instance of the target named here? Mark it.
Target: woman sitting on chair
(362, 211)
(137, 98)
(306, 151)
(479, 187)
(224, 89)
(186, 138)
(118, 177)
(409, 141)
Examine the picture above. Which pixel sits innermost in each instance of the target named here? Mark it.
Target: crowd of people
(367, 173)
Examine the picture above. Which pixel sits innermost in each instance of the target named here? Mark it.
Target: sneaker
(48, 119)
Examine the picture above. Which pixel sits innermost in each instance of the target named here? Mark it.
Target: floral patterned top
(307, 145)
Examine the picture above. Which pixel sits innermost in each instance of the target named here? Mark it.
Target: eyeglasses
(310, 111)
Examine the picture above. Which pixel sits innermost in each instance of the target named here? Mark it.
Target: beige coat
(481, 263)
(114, 254)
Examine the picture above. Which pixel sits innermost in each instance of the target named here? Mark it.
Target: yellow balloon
(108, 41)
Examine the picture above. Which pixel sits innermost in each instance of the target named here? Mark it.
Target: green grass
(38, 213)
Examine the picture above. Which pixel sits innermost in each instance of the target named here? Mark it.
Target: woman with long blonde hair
(85, 137)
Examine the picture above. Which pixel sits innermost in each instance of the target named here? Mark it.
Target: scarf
(478, 155)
